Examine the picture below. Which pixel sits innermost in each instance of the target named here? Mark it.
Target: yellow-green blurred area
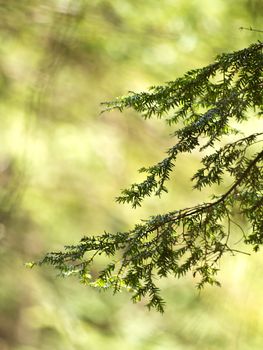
(62, 163)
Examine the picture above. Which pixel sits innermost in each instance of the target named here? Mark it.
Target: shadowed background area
(62, 163)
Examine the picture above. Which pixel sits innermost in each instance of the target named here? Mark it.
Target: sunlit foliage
(206, 102)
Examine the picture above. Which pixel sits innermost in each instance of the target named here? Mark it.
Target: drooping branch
(163, 240)
(191, 239)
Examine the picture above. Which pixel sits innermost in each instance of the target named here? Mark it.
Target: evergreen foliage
(204, 103)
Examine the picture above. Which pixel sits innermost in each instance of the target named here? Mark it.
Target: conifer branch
(194, 239)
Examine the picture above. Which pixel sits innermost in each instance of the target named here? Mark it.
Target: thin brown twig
(251, 29)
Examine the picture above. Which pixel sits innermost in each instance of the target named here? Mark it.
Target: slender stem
(251, 29)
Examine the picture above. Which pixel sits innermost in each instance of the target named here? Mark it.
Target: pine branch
(192, 239)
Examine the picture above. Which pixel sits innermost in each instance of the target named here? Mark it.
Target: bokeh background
(62, 163)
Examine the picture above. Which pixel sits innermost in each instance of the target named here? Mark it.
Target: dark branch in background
(207, 101)
(251, 29)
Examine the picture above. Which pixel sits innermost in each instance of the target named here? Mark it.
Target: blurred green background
(62, 163)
